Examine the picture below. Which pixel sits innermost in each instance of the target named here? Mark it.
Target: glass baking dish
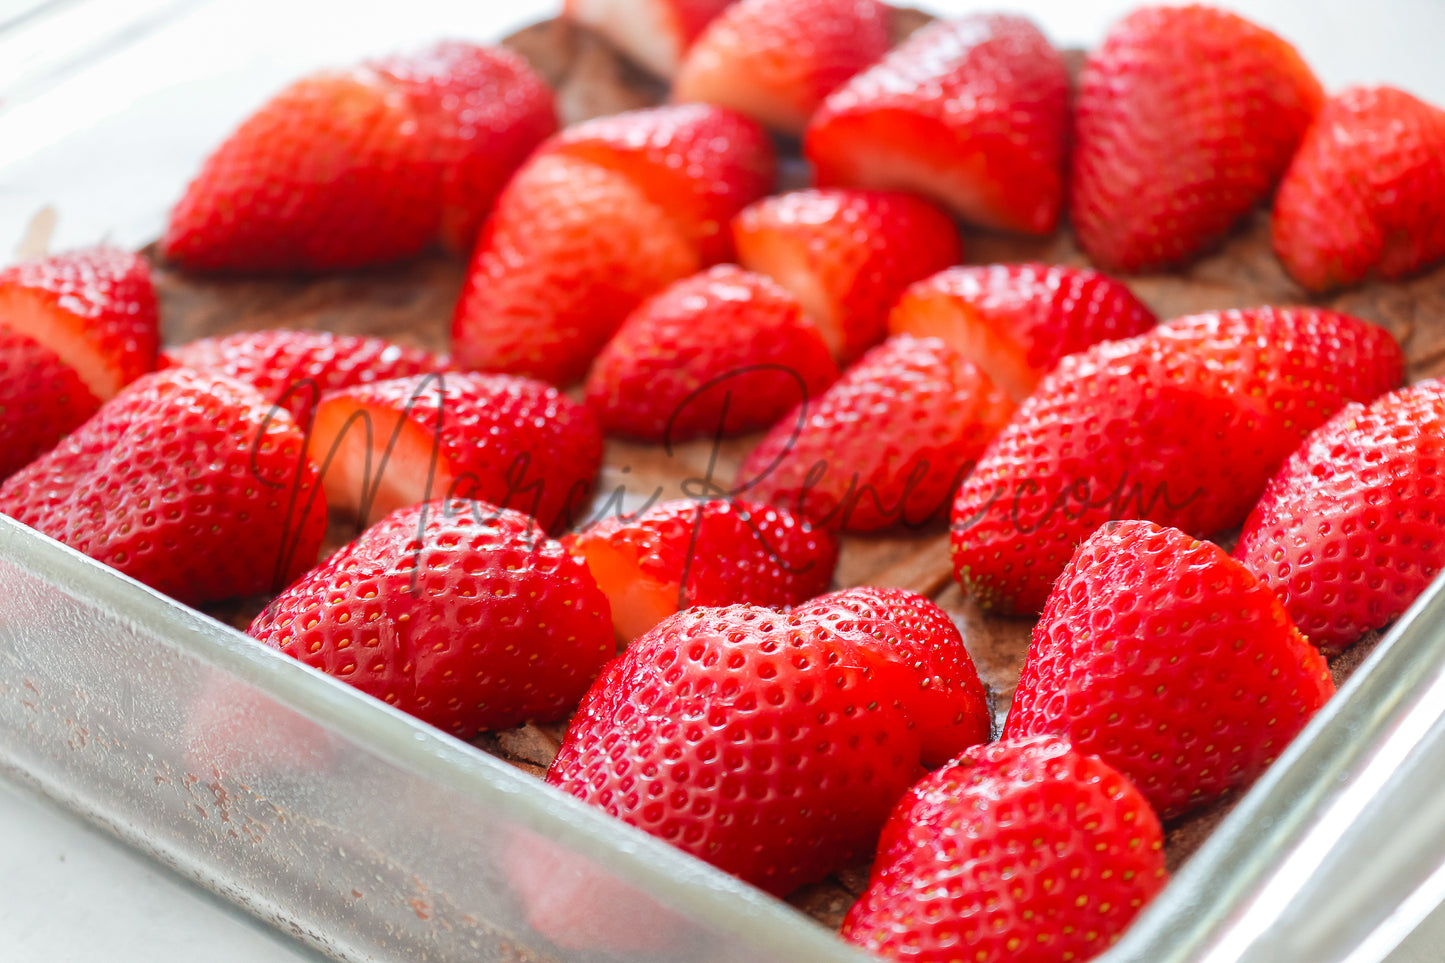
(369, 836)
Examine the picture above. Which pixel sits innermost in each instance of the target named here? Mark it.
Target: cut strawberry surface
(698, 162)
(513, 442)
(95, 309)
(775, 60)
(683, 553)
(1016, 321)
(42, 400)
(971, 113)
(846, 255)
(655, 33)
(571, 249)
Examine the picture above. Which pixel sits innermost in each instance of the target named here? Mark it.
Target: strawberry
(189, 482)
(95, 309)
(487, 109)
(887, 444)
(74, 330)
(1365, 193)
(333, 172)
(698, 162)
(461, 613)
(513, 442)
(1183, 425)
(1171, 662)
(1185, 119)
(770, 745)
(846, 255)
(294, 368)
(42, 400)
(949, 705)
(345, 169)
(971, 113)
(1352, 528)
(654, 33)
(776, 60)
(721, 353)
(1026, 851)
(571, 249)
(1015, 321)
(682, 553)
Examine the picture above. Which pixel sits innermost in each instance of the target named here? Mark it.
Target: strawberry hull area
(370, 836)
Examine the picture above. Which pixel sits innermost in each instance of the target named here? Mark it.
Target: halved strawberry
(776, 60)
(1026, 851)
(720, 353)
(95, 308)
(1015, 321)
(74, 330)
(950, 706)
(1183, 425)
(514, 442)
(295, 368)
(700, 163)
(1365, 193)
(458, 612)
(846, 255)
(333, 172)
(571, 249)
(1352, 528)
(971, 113)
(486, 109)
(683, 553)
(886, 445)
(1185, 119)
(190, 482)
(655, 33)
(1171, 662)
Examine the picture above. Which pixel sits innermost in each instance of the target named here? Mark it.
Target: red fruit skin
(458, 612)
(191, 483)
(1365, 193)
(1183, 426)
(42, 400)
(95, 308)
(698, 162)
(1185, 119)
(769, 745)
(720, 353)
(1017, 321)
(295, 368)
(488, 109)
(512, 442)
(1171, 662)
(971, 113)
(776, 60)
(1352, 528)
(887, 445)
(846, 255)
(683, 553)
(334, 172)
(654, 33)
(948, 702)
(570, 250)
(947, 884)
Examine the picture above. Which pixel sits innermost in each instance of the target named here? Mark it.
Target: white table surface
(68, 892)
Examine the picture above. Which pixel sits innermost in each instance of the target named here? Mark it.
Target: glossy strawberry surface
(1352, 528)
(461, 613)
(1171, 662)
(721, 353)
(189, 482)
(1026, 851)
(971, 113)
